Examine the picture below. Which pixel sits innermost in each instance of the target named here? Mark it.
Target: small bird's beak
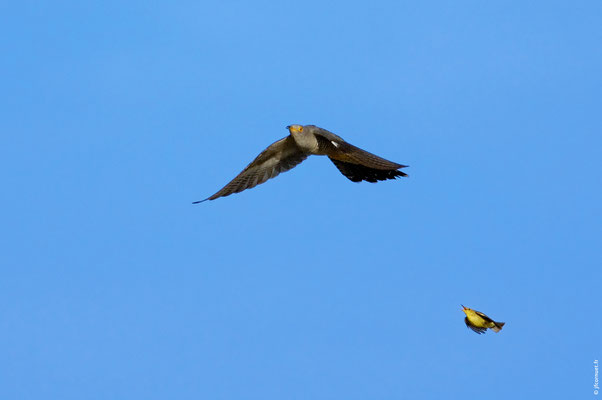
(463, 308)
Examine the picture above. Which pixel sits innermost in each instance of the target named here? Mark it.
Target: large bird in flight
(304, 140)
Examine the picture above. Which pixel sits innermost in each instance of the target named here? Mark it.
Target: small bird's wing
(474, 328)
(356, 164)
(279, 157)
(486, 318)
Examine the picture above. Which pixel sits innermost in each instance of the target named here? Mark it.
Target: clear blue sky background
(117, 115)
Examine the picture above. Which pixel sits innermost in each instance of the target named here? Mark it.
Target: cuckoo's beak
(294, 127)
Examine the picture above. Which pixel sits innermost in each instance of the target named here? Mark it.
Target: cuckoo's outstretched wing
(357, 164)
(278, 157)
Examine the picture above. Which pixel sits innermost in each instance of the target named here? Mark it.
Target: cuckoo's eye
(300, 129)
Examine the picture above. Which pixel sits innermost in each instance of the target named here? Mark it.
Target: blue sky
(117, 115)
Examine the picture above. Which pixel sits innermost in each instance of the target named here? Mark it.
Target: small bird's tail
(498, 326)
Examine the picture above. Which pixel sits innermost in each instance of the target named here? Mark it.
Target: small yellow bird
(479, 322)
